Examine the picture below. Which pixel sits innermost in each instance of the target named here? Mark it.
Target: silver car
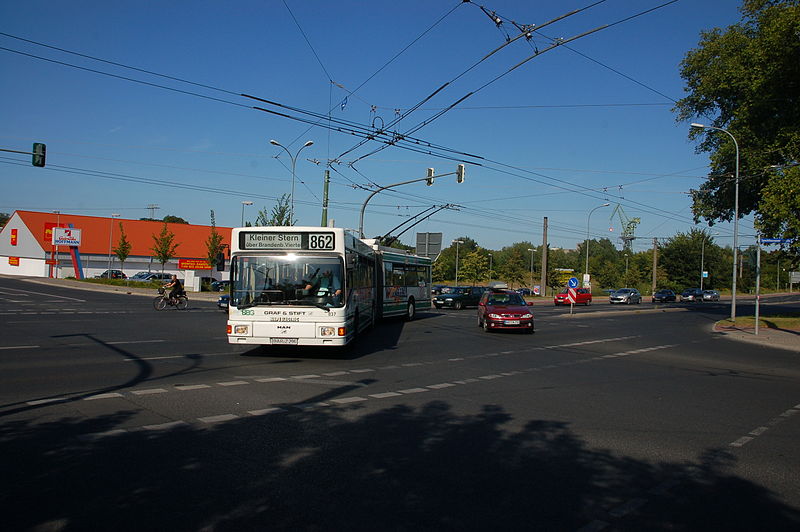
(625, 295)
(710, 295)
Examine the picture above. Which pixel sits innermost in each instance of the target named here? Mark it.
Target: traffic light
(220, 262)
(460, 173)
(39, 151)
(429, 180)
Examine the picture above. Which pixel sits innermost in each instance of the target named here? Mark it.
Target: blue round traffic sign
(573, 282)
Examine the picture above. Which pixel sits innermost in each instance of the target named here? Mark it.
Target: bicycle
(162, 301)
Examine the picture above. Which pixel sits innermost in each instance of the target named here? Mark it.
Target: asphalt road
(115, 416)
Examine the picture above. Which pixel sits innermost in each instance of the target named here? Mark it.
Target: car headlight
(449, 299)
(526, 316)
(494, 316)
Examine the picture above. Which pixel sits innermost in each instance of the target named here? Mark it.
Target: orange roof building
(26, 245)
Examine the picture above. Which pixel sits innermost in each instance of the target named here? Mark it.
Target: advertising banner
(193, 264)
(66, 236)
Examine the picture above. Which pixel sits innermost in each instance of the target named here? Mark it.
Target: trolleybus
(317, 286)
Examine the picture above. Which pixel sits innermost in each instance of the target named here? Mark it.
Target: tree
(123, 249)
(170, 219)
(680, 257)
(4, 217)
(164, 246)
(512, 270)
(213, 242)
(746, 79)
(474, 267)
(281, 214)
(779, 208)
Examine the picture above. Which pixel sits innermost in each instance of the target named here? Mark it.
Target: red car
(582, 297)
(500, 310)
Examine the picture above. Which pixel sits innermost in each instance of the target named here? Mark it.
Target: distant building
(26, 247)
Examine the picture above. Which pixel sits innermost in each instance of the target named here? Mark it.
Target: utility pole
(326, 182)
(655, 265)
(543, 284)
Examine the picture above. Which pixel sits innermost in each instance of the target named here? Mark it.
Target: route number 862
(320, 241)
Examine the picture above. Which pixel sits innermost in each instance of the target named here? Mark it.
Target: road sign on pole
(572, 296)
(573, 282)
(775, 240)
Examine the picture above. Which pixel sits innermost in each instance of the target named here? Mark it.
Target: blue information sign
(573, 282)
(775, 240)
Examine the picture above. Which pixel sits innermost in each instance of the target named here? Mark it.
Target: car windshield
(287, 280)
(140, 275)
(623, 291)
(506, 299)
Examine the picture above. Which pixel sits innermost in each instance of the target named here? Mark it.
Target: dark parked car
(625, 295)
(220, 286)
(459, 297)
(146, 277)
(112, 274)
(664, 296)
(504, 310)
(694, 295)
(524, 291)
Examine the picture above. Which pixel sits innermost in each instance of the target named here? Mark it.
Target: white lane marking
(413, 390)
(97, 435)
(365, 370)
(135, 342)
(45, 401)
(218, 419)
(759, 431)
(741, 441)
(25, 292)
(346, 400)
(185, 387)
(312, 376)
(232, 383)
(179, 356)
(335, 373)
(165, 426)
(20, 347)
(271, 379)
(102, 396)
(265, 411)
(385, 395)
(440, 386)
(149, 391)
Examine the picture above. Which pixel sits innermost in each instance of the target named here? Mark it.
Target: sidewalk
(132, 290)
(776, 338)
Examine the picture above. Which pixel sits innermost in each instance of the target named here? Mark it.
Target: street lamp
(589, 217)
(490, 266)
(457, 242)
(735, 215)
(110, 236)
(702, 258)
(531, 250)
(243, 205)
(626, 269)
(294, 162)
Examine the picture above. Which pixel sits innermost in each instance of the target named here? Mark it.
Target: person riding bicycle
(175, 286)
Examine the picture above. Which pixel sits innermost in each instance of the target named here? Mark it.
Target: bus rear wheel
(411, 310)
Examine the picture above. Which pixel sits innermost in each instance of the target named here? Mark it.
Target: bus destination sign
(287, 241)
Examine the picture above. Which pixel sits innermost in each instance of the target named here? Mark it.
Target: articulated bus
(318, 286)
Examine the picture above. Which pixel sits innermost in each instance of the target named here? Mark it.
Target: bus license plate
(284, 341)
(511, 322)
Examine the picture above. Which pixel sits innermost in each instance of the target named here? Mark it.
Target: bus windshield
(288, 279)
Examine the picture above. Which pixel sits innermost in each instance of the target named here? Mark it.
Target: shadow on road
(398, 469)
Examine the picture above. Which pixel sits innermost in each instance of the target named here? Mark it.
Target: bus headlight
(241, 330)
(327, 331)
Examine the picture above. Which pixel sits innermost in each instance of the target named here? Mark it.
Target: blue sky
(585, 123)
